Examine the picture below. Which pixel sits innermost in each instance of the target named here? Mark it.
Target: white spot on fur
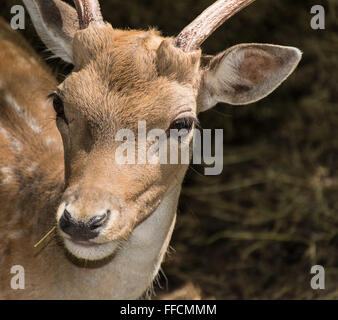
(5, 134)
(22, 113)
(50, 141)
(17, 145)
(17, 234)
(33, 60)
(8, 175)
(33, 167)
(11, 101)
(34, 125)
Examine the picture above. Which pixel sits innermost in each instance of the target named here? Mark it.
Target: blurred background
(255, 231)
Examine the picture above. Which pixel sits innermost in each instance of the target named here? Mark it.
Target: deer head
(123, 77)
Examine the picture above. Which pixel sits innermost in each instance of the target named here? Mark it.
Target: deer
(113, 222)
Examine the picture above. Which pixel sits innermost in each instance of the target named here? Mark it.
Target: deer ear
(56, 23)
(246, 73)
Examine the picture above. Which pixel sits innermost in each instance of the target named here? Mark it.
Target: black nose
(80, 230)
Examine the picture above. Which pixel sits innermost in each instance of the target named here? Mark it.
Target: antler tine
(88, 11)
(193, 35)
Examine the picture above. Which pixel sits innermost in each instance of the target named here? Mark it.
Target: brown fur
(135, 78)
(119, 78)
(35, 170)
(97, 113)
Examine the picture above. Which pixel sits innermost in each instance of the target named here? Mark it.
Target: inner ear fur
(56, 22)
(246, 73)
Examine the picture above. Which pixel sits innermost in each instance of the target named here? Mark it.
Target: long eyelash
(191, 121)
(197, 124)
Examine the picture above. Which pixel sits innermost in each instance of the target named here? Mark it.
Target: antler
(88, 11)
(193, 35)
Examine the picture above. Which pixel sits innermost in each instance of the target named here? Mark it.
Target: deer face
(124, 78)
(114, 87)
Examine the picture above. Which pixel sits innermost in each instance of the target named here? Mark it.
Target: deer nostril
(66, 222)
(66, 215)
(80, 230)
(98, 221)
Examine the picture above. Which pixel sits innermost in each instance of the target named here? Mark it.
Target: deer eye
(58, 107)
(184, 123)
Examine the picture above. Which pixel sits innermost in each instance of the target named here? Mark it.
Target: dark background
(254, 231)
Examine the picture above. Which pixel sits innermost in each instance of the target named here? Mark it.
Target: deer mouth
(90, 250)
(85, 244)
